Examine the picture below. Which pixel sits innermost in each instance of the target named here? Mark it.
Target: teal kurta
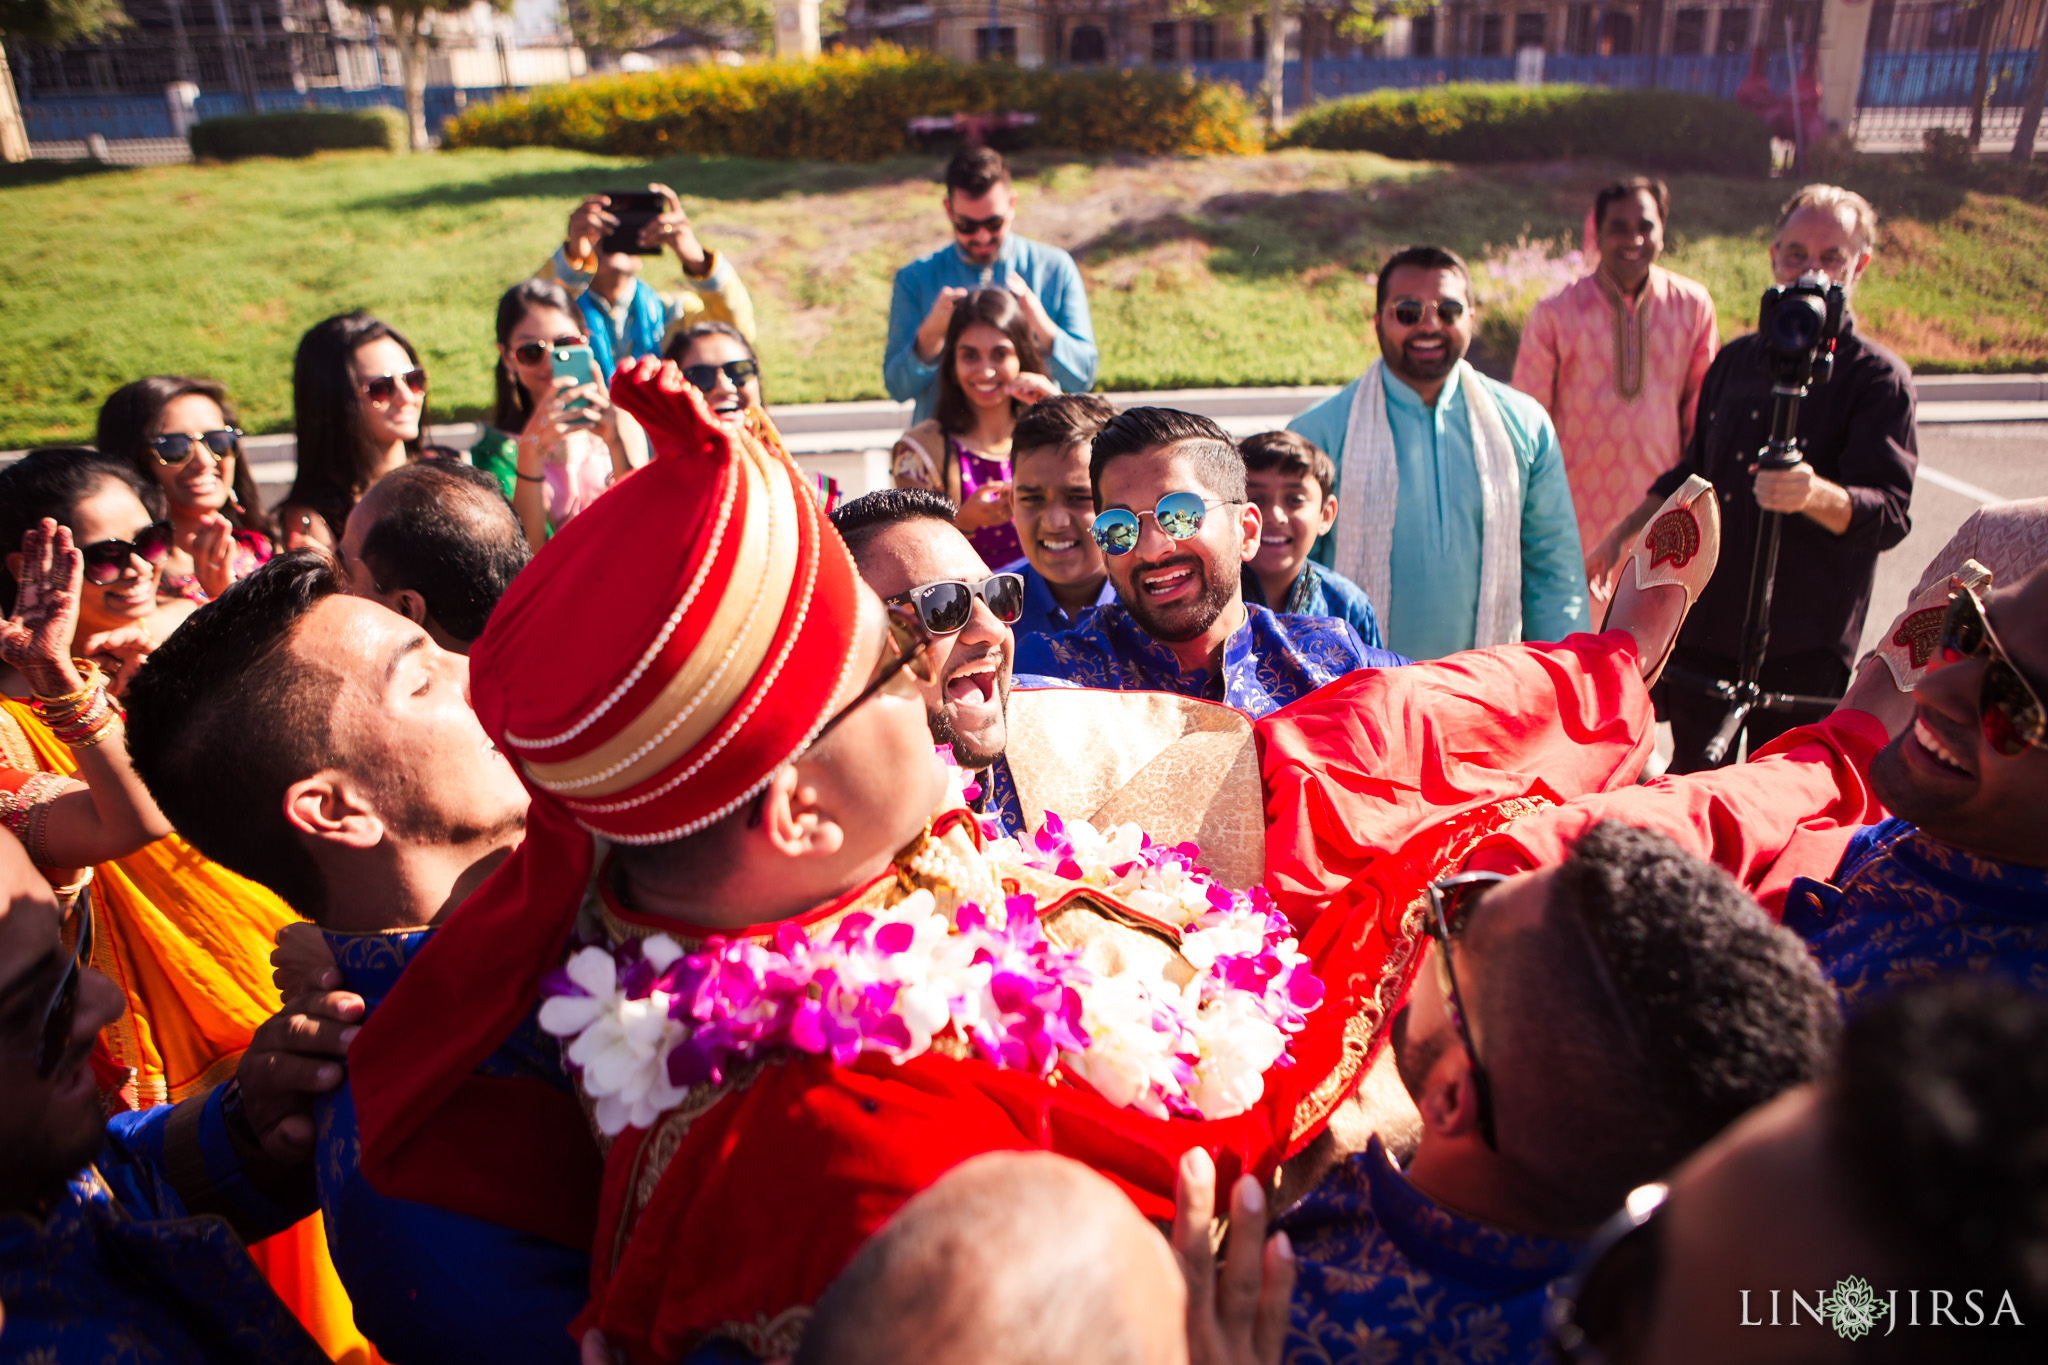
(1434, 600)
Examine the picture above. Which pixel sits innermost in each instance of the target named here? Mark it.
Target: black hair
(1422, 258)
(51, 482)
(511, 405)
(333, 458)
(974, 171)
(1293, 454)
(861, 519)
(445, 531)
(1659, 192)
(1653, 1005)
(1000, 309)
(1063, 420)
(1938, 1119)
(679, 344)
(130, 417)
(1137, 430)
(224, 717)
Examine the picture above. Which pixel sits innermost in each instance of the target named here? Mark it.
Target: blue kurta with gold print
(430, 1285)
(1905, 906)
(1386, 1274)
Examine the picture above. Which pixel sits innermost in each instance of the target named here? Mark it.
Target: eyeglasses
(2011, 711)
(1179, 515)
(944, 607)
(913, 651)
(1450, 902)
(967, 227)
(107, 560)
(526, 353)
(705, 377)
(173, 448)
(1408, 312)
(54, 1034)
(1599, 1315)
(384, 387)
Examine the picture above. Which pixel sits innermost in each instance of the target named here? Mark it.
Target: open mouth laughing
(1171, 581)
(1937, 753)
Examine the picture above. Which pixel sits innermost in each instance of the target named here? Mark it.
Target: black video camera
(1799, 323)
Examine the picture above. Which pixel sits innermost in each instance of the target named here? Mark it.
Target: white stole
(1370, 488)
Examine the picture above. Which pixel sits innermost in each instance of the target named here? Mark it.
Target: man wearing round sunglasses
(1176, 532)
(1572, 1033)
(114, 1231)
(1454, 513)
(980, 206)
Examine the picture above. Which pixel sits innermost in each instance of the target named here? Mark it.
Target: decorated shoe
(1680, 546)
(1912, 641)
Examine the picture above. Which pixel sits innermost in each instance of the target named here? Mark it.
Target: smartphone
(578, 364)
(634, 209)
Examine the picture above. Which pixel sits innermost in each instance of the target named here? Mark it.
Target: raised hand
(120, 652)
(672, 230)
(931, 333)
(36, 639)
(213, 555)
(587, 225)
(1240, 1316)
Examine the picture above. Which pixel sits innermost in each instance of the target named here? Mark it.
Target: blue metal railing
(1335, 78)
(1934, 80)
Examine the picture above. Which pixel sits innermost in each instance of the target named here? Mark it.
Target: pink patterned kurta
(1620, 378)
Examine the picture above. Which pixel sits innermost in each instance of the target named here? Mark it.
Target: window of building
(1258, 37)
(1422, 36)
(1617, 34)
(1529, 30)
(1881, 15)
(1006, 44)
(1086, 47)
(1166, 43)
(1578, 30)
(1201, 40)
(1733, 34)
(1689, 33)
(1490, 30)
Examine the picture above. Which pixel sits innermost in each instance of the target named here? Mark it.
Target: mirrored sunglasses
(529, 352)
(384, 387)
(62, 1009)
(173, 448)
(107, 560)
(945, 607)
(737, 373)
(2011, 711)
(1408, 312)
(1179, 515)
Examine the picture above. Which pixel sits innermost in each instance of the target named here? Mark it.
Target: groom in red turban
(693, 670)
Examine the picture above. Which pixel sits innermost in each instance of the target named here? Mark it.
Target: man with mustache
(1176, 529)
(1454, 512)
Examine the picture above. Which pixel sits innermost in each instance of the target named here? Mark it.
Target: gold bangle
(89, 672)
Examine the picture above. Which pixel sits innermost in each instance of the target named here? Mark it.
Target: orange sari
(188, 942)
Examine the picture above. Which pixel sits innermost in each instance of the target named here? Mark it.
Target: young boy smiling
(1289, 480)
(1052, 506)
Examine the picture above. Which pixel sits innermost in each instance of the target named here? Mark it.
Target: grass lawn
(1215, 271)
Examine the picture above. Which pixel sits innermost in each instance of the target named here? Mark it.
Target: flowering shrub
(1649, 129)
(855, 107)
(1512, 280)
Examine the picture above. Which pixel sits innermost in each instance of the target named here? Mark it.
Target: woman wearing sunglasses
(187, 941)
(989, 371)
(720, 361)
(359, 396)
(181, 434)
(551, 459)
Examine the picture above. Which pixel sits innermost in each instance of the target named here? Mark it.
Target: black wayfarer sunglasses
(1450, 901)
(173, 448)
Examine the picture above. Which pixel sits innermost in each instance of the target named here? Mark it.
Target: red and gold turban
(663, 655)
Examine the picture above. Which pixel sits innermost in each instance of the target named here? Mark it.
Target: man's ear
(1249, 524)
(794, 820)
(410, 605)
(1449, 1102)
(329, 807)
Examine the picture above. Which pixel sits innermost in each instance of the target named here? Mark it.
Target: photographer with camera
(1842, 502)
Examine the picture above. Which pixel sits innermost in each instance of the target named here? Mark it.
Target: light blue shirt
(1438, 526)
(1049, 271)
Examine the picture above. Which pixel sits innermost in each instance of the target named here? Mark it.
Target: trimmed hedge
(298, 133)
(1654, 129)
(854, 107)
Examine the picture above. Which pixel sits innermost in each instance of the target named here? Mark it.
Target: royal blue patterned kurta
(1388, 1275)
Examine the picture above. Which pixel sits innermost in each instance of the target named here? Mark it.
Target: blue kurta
(1387, 1274)
(1049, 271)
(1438, 531)
(1905, 906)
(127, 1266)
(1043, 615)
(429, 1284)
(1319, 591)
(1268, 661)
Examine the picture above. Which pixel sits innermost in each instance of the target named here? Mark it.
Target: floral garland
(645, 1023)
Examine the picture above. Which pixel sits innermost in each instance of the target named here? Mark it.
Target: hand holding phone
(577, 364)
(633, 210)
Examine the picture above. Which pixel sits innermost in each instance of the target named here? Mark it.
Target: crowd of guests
(301, 800)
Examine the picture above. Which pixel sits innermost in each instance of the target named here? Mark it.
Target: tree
(616, 26)
(44, 21)
(1358, 21)
(413, 22)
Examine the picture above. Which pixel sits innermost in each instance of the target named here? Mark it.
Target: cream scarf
(1370, 487)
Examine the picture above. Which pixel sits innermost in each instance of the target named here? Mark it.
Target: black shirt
(1857, 431)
